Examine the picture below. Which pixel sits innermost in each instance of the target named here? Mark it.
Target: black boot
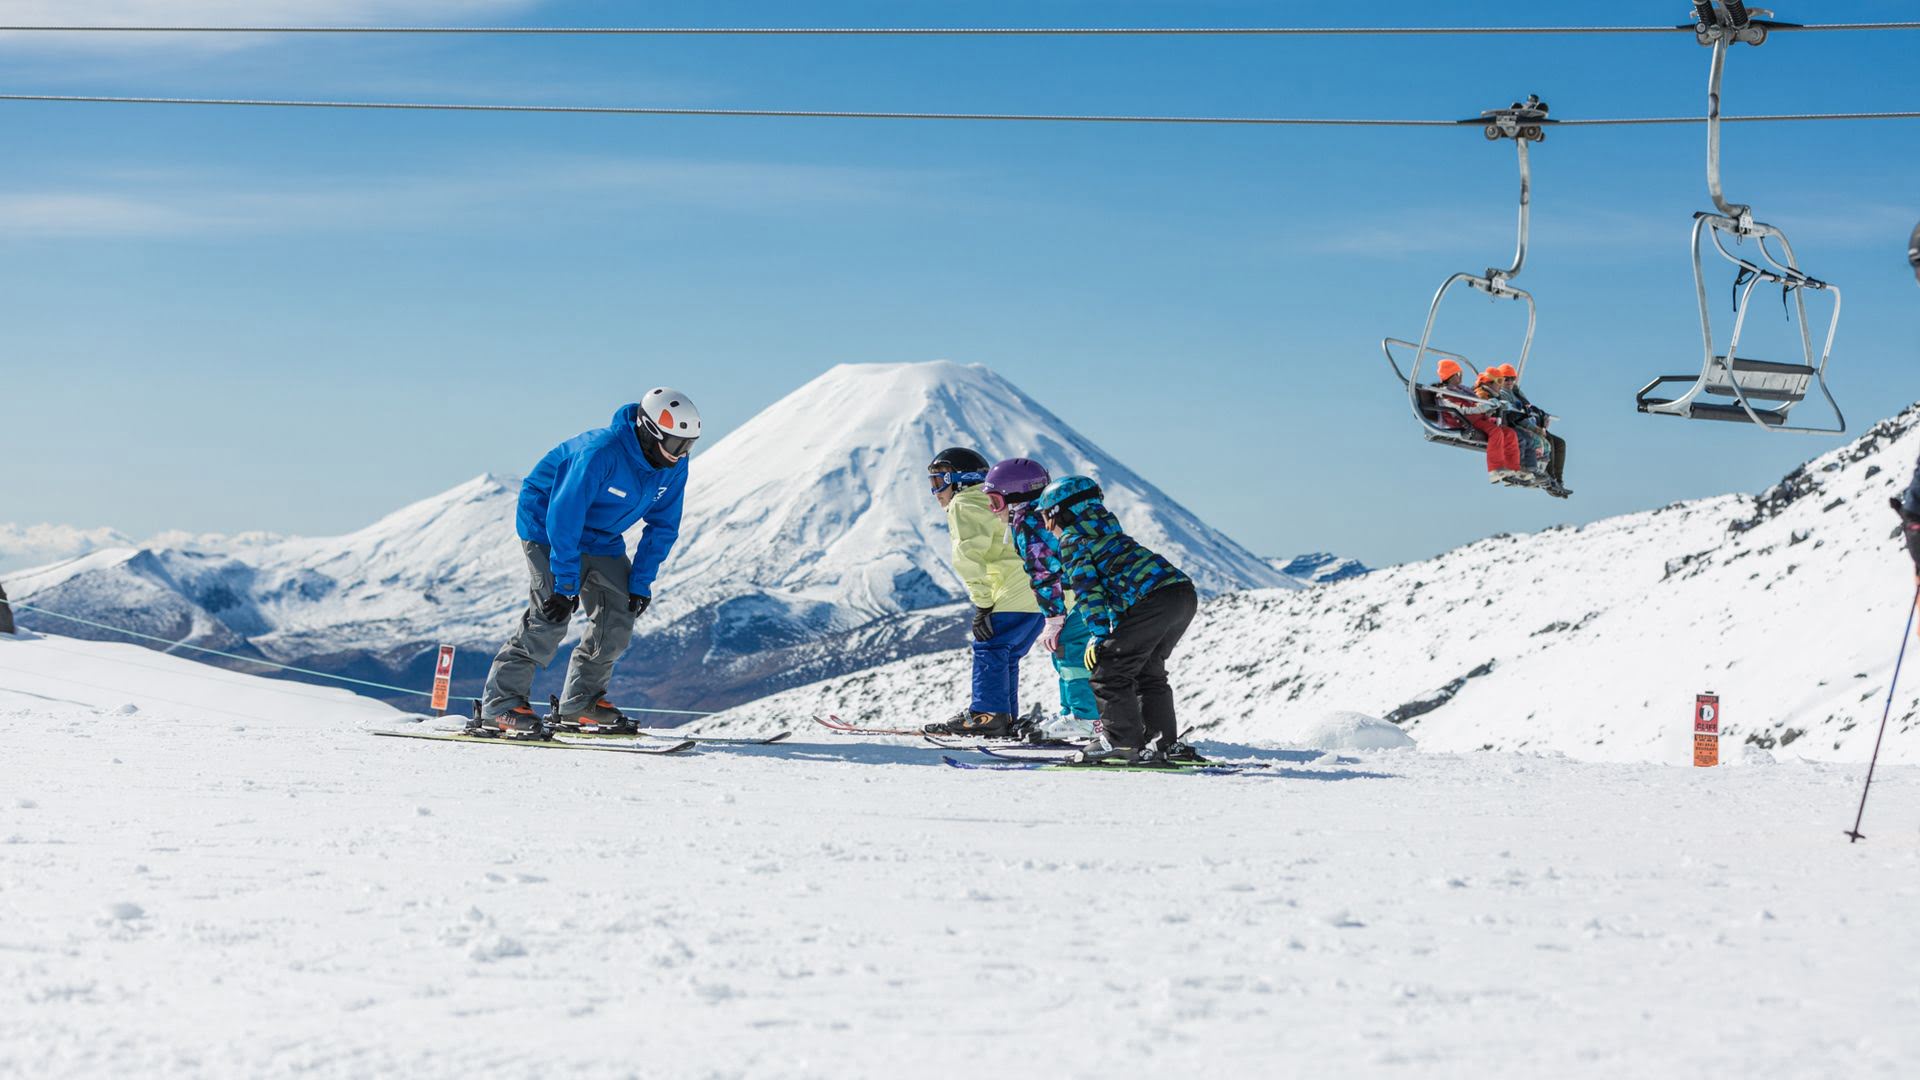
(948, 727)
(988, 725)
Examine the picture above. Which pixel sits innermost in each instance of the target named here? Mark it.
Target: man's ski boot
(517, 723)
(599, 718)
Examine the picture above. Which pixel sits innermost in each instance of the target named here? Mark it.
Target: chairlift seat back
(1760, 380)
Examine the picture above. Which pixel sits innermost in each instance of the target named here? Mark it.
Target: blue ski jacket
(588, 491)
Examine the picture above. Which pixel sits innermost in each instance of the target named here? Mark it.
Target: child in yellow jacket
(1006, 616)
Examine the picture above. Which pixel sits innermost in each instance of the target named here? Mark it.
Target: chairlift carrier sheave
(1763, 392)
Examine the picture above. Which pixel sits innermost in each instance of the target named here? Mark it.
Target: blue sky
(300, 320)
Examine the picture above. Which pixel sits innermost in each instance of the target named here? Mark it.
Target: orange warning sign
(442, 678)
(1706, 730)
(1706, 751)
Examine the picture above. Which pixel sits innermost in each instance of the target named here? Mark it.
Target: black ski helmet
(957, 467)
(959, 459)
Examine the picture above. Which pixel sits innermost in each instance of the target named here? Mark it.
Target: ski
(840, 727)
(1204, 768)
(559, 742)
(703, 740)
(991, 745)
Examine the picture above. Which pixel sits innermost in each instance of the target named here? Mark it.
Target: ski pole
(1888, 711)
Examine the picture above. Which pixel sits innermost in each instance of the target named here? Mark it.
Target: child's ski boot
(980, 724)
(1032, 726)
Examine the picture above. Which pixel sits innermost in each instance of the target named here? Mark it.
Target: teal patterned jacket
(1108, 570)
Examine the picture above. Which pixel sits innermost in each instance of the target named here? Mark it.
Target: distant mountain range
(811, 548)
(1319, 568)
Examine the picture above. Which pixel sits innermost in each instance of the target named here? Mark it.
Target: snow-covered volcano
(823, 497)
(811, 547)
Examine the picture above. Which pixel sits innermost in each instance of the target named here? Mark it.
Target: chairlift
(1442, 418)
(1763, 392)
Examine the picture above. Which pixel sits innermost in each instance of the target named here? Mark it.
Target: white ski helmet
(671, 418)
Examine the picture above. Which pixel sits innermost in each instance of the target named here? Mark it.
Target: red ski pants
(1503, 445)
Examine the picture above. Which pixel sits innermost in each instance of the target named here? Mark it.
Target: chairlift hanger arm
(1523, 122)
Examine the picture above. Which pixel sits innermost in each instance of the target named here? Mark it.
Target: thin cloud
(224, 13)
(149, 203)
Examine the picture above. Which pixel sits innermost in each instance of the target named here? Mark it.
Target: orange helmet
(1448, 369)
(1506, 371)
(1483, 378)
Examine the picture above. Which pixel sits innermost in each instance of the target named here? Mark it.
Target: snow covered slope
(1591, 641)
(231, 882)
(811, 546)
(126, 684)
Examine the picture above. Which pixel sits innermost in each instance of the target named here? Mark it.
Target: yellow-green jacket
(984, 557)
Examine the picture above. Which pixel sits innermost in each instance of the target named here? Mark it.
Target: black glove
(983, 624)
(558, 607)
(637, 604)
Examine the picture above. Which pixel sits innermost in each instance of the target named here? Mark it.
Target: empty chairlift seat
(1770, 390)
(1729, 386)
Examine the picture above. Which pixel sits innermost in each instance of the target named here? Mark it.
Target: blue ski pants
(996, 661)
(1076, 685)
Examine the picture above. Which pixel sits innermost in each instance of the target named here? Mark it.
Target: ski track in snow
(268, 891)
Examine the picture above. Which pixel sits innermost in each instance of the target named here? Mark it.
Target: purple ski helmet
(1015, 481)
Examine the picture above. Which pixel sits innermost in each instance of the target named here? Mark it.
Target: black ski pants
(1130, 669)
(1557, 468)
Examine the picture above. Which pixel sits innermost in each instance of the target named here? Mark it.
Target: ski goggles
(678, 446)
(941, 481)
(999, 502)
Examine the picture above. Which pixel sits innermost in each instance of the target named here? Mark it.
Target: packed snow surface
(207, 875)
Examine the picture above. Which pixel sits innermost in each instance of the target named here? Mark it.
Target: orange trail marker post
(1706, 730)
(442, 679)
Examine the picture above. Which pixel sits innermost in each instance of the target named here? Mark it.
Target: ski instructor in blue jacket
(575, 508)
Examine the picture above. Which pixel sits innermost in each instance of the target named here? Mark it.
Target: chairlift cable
(943, 31)
(839, 114)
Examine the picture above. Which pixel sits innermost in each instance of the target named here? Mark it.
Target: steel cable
(946, 31)
(843, 114)
(171, 644)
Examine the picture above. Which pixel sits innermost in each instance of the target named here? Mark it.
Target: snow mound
(1343, 730)
(1749, 754)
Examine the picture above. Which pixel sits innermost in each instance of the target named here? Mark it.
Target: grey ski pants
(603, 598)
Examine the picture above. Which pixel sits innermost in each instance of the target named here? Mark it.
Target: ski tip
(771, 739)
